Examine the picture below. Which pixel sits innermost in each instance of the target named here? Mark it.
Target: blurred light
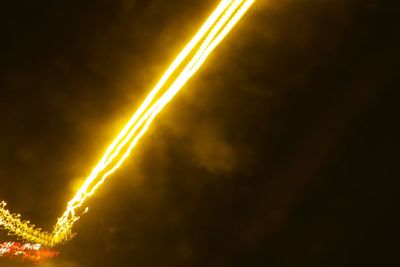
(189, 60)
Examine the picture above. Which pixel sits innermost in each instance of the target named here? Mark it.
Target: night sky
(282, 151)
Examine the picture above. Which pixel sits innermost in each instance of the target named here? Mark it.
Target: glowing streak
(69, 216)
(23, 229)
(65, 223)
(164, 100)
(213, 31)
(26, 252)
(177, 62)
(80, 197)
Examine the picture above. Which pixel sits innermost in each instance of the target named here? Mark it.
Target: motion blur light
(187, 63)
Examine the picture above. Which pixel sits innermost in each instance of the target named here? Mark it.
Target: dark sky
(283, 151)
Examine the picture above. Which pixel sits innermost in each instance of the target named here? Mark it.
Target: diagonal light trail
(97, 179)
(188, 62)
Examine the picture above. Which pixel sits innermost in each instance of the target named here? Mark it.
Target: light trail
(22, 229)
(188, 62)
(138, 122)
(26, 252)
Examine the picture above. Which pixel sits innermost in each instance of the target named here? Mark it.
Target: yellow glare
(187, 63)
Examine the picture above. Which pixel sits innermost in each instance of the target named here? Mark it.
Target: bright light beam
(210, 35)
(68, 219)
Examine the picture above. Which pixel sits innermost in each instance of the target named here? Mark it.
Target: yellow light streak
(187, 63)
(23, 229)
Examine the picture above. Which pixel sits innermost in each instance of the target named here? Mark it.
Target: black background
(282, 151)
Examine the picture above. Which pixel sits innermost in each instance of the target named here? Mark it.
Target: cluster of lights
(26, 252)
(187, 63)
